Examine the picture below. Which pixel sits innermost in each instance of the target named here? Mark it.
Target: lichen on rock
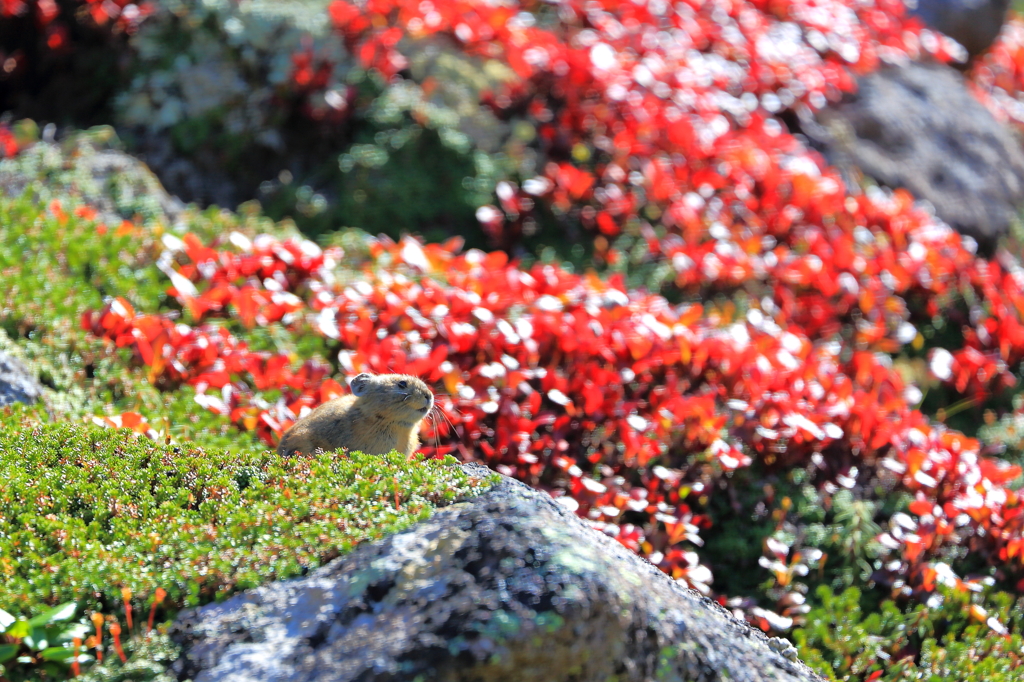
(507, 586)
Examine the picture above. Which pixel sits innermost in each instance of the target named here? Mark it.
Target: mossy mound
(85, 512)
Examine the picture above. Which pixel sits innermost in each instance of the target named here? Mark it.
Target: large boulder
(17, 385)
(917, 126)
(975, 24)
(506, 586)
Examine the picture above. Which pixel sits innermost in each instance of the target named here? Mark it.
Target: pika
(383, 413)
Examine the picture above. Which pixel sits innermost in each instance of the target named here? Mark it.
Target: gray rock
(917, 126)
(89, 165)
(972, 23)
(506, 586)
(16, 382)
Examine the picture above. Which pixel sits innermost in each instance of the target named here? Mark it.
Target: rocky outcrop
(972, 23)
(506, 586)
(16, 382)
(917, 126)
(90, 165)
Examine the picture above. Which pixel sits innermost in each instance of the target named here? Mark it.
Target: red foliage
(682, 132)
(674, 104)
(572, 384)
(998, 76)
(8, 142)
(127, 420)
(657, 120)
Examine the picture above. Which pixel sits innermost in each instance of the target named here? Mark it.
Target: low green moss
(85, 512)
(40, 280)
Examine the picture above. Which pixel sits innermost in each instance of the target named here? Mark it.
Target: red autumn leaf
(131, 420)
(921, 507)
(330, 389)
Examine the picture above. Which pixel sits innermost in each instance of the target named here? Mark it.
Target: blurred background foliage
(259, 106)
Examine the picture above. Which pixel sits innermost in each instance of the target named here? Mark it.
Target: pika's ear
(360, 383)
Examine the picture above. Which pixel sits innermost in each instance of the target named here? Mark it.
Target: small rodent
(383, 413)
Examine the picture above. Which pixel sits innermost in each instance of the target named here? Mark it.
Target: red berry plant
(793, 304)
(620, 404)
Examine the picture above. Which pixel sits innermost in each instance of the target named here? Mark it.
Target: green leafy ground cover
(88, 512)
(953, 639)
(101, 509)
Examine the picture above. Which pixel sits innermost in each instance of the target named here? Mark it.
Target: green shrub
(957, 636)
(215, 92)
(87, 511)
(44, 637)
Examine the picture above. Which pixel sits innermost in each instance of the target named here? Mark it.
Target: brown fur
(379, 416)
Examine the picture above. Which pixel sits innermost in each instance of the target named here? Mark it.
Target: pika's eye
(403, 384)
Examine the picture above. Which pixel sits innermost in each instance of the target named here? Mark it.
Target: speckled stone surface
(506, 586)
(16, 382)
(917, 126)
